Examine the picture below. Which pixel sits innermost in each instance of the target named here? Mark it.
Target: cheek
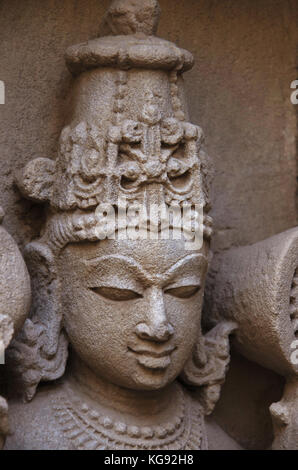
(96, 324)
(185, 317)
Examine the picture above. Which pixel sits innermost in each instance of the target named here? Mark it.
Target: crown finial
(133, 16)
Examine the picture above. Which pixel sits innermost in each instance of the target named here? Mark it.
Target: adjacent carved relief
(256, 286)
(285, 417)
(128, 311)
(14, 304)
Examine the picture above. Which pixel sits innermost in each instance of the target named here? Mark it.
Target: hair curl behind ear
(208, 365)
(40, 351)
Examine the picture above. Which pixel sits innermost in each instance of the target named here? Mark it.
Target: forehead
(155, 256)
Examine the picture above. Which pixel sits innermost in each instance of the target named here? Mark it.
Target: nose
(156, 327)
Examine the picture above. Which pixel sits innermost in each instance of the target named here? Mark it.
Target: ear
(45, 287)
(40, 351)
(208, 365)
(36, 180)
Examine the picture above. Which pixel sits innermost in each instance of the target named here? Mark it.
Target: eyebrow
(184, 261)
(142, 272)
(131, 262)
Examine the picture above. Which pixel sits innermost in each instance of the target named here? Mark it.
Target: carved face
(132, 309)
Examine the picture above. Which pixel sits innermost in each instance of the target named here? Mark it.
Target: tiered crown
(128, 134)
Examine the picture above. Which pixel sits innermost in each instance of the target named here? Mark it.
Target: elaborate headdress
(128, 134)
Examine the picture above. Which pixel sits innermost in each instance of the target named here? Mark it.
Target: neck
(123, 400)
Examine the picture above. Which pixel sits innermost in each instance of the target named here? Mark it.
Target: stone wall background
(239, 92)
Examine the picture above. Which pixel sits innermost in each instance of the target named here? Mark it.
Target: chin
(150, 380)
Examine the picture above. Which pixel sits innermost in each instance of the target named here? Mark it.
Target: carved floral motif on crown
(92, 168)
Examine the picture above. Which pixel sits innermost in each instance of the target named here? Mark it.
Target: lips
(153, 359)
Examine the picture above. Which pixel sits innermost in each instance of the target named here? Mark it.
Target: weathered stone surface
(256, 286)
(239, 93)
(14, 282)
(243, 408)
(132, 17)
(4, 426)
(133, 323)
(285, 418)
(14, 304)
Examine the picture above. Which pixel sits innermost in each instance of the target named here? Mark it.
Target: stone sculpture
(256, 286)
(14, 304)
(127, 312)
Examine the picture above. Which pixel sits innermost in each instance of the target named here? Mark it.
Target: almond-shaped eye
(183, 292)
(114, 293)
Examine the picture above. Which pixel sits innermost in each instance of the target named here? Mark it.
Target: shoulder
(34, 425)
